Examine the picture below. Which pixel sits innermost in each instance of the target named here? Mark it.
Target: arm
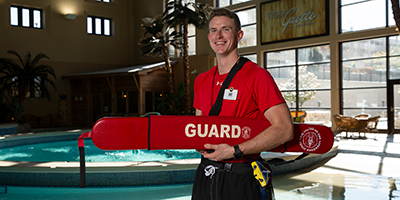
(280, 131)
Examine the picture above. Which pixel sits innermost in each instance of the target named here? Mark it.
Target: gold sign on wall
(293, 19)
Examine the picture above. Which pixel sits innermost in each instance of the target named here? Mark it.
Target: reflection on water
(295, 186)
(312, 186)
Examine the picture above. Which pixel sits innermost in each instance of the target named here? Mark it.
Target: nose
(219, 34)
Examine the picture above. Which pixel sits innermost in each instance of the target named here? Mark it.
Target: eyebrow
(222, 28)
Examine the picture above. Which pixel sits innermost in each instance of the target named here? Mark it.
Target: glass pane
(252, 57)
(89, 25)
(396, 105)
(98, 26)
(247, 16)
(107, 27)
(223, 3)
(192, 45)
(239, 1)
(290, 98)
(365, 98)
(319, 116)
(191, 30)
(394, 66)
(345, 2)
(315, 76)
(284, 77)
(37, 19)
(171, 51)
(364, 49)
(356, 17)
(364, 73)
(25, 17)
(280, 58)
(14, 16)
(319, 99)
(250, 36)
(314, 54)
(394, 45)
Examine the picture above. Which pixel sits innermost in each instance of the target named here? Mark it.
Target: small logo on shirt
(219, 83)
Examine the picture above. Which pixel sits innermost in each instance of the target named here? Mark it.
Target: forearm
(280, 131)
(270, 138)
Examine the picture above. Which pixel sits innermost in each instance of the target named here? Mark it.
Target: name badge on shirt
(230, 94)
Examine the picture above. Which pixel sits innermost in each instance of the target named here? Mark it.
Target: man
(256, 96)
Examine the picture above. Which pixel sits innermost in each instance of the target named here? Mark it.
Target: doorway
(393, 106)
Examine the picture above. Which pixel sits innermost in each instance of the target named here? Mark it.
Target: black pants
(221, 181)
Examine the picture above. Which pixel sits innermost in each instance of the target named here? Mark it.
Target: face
(223, 36)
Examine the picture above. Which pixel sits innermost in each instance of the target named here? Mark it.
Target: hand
(222, 152)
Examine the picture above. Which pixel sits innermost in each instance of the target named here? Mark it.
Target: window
(303, 76)
(224, 3)
(99, 25)
(26, 17)
(191, 34)
(252, 57)
(35, 90)
(364, 75)
(192, 39)
(105, 1)
(355, 14)
(248, 22)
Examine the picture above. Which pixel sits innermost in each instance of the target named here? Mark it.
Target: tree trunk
(168, 67)
(186, 67)
(396, 13)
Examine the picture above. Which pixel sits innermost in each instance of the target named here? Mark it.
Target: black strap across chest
(216, 108)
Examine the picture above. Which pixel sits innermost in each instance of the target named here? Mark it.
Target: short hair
(227, 13)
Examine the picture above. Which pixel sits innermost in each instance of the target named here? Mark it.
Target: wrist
(238, 154)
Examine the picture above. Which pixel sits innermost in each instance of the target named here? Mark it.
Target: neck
(226, 63)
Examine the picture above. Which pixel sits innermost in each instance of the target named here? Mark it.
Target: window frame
(31, 17)
(248, 25)
(296, 66)
(345, 109)
(340, 12)
(230, 3)
(103, 19)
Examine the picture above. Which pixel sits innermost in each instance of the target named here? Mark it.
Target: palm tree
(155, 43)
(30, 76)
(183, 14)
(396, 13)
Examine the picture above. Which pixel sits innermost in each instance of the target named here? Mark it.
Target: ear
(240, 35)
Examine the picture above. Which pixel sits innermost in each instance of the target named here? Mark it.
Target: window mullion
(31, 25)
(102, 26)
(19, 16)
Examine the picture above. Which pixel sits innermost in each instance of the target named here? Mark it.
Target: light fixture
(147, 20)
(70, 16)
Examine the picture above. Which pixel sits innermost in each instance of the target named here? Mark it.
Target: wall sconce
(70, 16)
(147, 20)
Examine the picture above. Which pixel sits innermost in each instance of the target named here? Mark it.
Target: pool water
(68, 151)
(293, 186)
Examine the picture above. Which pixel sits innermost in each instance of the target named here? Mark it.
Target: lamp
(147, 20)
(70, 16)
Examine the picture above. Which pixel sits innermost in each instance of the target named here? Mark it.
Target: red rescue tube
(192, 132)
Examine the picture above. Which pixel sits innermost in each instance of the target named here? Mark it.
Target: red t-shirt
(255, 87)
